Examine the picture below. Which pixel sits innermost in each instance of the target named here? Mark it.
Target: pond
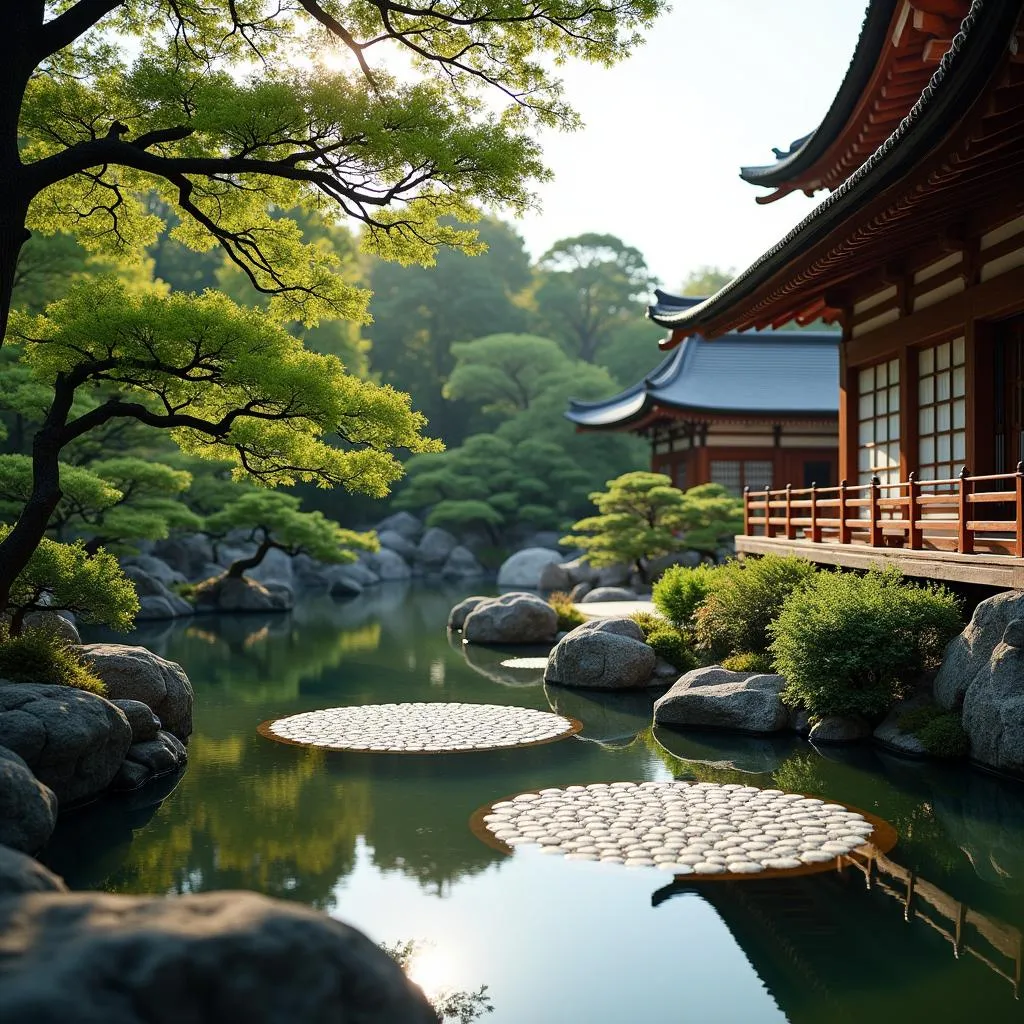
(384, 843)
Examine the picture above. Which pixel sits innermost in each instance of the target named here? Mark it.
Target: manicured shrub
(649, 621)
(39, 655)
(670, 644)
(569, 616)
(849, 644)
(681, 591)
(749, 663)
(940, 732)
(743, 599)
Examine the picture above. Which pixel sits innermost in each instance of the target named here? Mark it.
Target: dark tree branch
(62, 31)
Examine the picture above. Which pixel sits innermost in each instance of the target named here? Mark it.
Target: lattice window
(942, 410)
(735, 474)
(878, 430)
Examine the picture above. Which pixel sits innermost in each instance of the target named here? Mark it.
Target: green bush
(39, 655)
(749, 663)
(940, 732)
(849, 644)
(569, 617)
(670, 644)
(681, 591)
(649, 622)
(743, 599)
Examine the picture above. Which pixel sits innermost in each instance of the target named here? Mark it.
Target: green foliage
(464, 515)
(744, 598)
(39, 655)
(669, 643)
(681, 591)
(275, 521)
(463, 1007)
(643, 516)
(706, 280)
(748, 663)
(649, 621)
(64, 577)
(940, 732)
(587, 286)
(569, 617)
(849, 644)
(711, 515)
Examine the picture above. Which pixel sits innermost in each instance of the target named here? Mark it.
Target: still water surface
(383, 842)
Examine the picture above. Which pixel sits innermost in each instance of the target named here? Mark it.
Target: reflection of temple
(828, 947)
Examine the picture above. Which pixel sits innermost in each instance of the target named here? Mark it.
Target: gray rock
(394, 541)
(656, 566)
(388, 565)
(188, 553)
(664, 670)
(141, 720)
(155, 567)
(716, 698)
(523, 569)
(345, 586)
(20, 874)
(457, 616)
(204, 959)
(580, 570)
(134, 673)
(968, 654)
(54, 622)
(242, 594)
(359, 571)
(73, 741)
(609, 594)
(614, 576)
(839, 729)
(554, 577)
(150, 759)
(889, 735)
(511, 619)
(276, 567)
(434, 548)
(580, 591)
(28, 809)
(462, 564)
(404, 523)
(602, 655)
(156, 601)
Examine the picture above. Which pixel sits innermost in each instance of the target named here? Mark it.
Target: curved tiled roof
(963, 71)
(777, 373)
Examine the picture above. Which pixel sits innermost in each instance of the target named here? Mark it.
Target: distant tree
(275, 521)
(631, 351)
(65, 577)
(642, 516)
(588, 285)
(706, 280)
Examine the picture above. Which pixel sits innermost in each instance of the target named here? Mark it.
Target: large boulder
(204, 959)
(839, 729)
(155, 567)
(54, 622)
(28, 809)
(523, 569)
(135, 673)
(580, 591)
(434, 548)
(889, 734)
(716, 698)
(608, 654)
(388, 565)
(141, 720)
(462, 564)
(149, 759)
(189, 553)
(511, 619)
(993, 709)
(21, 874)
(394, 541)
(554, 576)
(242, 594)
(967, 655)
(457, 616)
(156, 600)
(614, 576)
(404, 523)
(608, 594)
(73, 741)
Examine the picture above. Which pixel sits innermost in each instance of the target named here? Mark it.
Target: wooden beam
(934, 24)
(934, 50)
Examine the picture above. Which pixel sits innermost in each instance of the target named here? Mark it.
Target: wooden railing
(966, 514)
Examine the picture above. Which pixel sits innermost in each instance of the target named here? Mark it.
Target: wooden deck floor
(988, 570)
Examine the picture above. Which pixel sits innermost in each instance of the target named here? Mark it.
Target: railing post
(916, 533)
(790, 529)
(874, 529)
(964, 536)
(746, 511)
(844, 530)
(815, 529)
(1019, 481)
(769, 529)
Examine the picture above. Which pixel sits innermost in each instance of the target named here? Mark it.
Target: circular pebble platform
(703, 829)
(434, 728)
(531, 663)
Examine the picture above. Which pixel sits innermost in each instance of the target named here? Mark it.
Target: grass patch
(749, 662)
(569, 617)
(40, 656)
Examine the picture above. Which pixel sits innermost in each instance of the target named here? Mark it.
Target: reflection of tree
(461, 1006)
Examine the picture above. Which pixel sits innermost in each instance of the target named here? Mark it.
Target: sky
(717, 85)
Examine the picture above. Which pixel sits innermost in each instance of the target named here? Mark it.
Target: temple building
(742, 412)
(918, 254)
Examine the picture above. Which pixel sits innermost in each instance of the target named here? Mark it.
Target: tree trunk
(240, 566)
(13, 235)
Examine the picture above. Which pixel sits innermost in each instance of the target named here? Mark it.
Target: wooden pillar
(844, 529)
(848, 404)
(964, 537)
(815, 528)
(702, 462)
(778, 468)
(909, 449)
(980, 413)
(914, 512)
(874, 530)
(1019, 482)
